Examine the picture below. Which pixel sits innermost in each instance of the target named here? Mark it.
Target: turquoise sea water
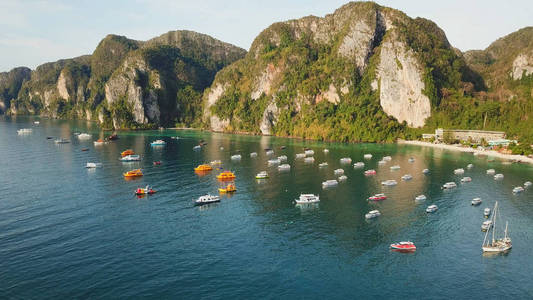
(71, 232)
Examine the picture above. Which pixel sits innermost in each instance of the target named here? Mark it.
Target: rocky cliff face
(127, 83)
(10, 84)
(323, 75)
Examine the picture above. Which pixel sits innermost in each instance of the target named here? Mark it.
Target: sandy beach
(492, 153)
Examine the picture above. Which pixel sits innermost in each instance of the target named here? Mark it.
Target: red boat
(370, 172)
(377, 197)
(146, 191)
(157, 163)
(403, 246)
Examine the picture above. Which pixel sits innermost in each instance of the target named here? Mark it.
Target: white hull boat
(458, 171)
(132, 157)
(449, 185)
(390, 182)
(372, 214)
(206, 199)
(253, 154)
(420, 198)
(323, 165)
(367, 156)
(396, 167)
(236, 157)
(491, 172)
(338, 172)
(307, 199)
(330, 183)
(346, 160)
(476, 201)
(309, 160)
(284, 167)
(466, 179)
(498, 177)
(359, 164)
(432, 208)
(407, 177)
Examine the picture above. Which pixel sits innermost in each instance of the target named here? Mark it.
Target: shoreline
(491, 153)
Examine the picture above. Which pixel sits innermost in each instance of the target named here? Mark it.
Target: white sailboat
(496, 244)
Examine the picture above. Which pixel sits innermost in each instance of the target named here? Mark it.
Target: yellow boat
(230, 188)
(133, 173)
(203, 168)
(226, 175)
(127, 152)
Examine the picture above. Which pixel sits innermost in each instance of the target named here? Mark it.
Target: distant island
(364, 73)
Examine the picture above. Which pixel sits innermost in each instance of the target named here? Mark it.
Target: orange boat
(127, 152)
(203, 168)
(226, 175)
(133, 173)
(230, 188)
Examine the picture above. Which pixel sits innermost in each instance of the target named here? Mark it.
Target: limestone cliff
(10, 84)
(321, 77)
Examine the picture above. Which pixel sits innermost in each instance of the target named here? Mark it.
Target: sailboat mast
(494, 222)
(506, 223)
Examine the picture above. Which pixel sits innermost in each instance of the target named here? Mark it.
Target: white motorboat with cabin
(269, 152)
(346, 160)
(407, 177)
(491, 172)
(518, 189)
(432, 208)
(24, 131)
(486, 225)
(236, 157)
(158, 143)
(300, 155)
(390, 182)
(206, 199)
(476, 201)
(342, 178)
(387, 158)
(466, 179)
(469, 166)
(261, 175)
(449, 185)
(395, 167)
(372, 214)
(527, 184)
(359, 164)
(61, 141)
(84, 136)
(425, 171)
(284, 167)
(323, 165)
(459, 171)
(486, 212)
(420, 198)
(92, 165)
(253, 154)
(367, 156)
(411, 159)
(498, 177)
(330, 183)
(382, 162)
(197, 148)
(309, 152)
(282, 158)
(131, 157)
(338, 172)
(274, 161)
(307, 198)
(309, 160)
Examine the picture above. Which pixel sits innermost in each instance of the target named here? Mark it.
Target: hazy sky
(37, 31)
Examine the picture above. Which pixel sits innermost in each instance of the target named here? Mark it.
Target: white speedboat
(420, 198)
(476, 201)
(84, 136)
(411, 159)
(36, 122)
(132, 157)
(432, 208)
(425, 171)
(359, 164)
(449, 185)
(338, 172)
(91, 165)
(498, 177)
(307, 198)
(326, 151)
(330, 183)
(236, 157)
(24, 131)
(518, 189)
(206, 199)
(61, 141)
(390, 182)
(469, 166)
(527, 184)
(491, 172)
(269, 152)
(372, 214)
(261, 175)
(459, 171)
(300, 155)
(282, 158)
(367, 156)
(395, 167)
(253, 154)
(387, 158)
(158, 143)
(309, 160)
(486, 225)
(215, 162)
(343, 178)
(197, 148)
(466, 179)
(323, 165)
(486, 212)
(309, 152)
(346, 160)
(407, 177)
(274, 161)
(284, 167)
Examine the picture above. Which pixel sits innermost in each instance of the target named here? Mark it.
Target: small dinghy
(432, 208)
(387, 158)
(411, 160)
(300, 155)
(326, 151)
(372, 214)
(158, 143)
(145, 191)
(282, 158)
(131, 157)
